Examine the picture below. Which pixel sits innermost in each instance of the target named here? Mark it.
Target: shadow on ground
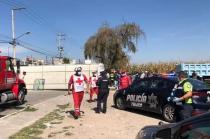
(11, 105)
(90, 101)
(144, 113)
(94, 109)
(71, 114)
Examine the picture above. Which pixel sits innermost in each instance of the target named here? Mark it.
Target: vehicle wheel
(21, 96)
(145, 132)
(119, 103)
(169, 113)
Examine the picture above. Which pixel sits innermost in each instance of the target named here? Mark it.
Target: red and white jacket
(125, 81)
(92, 81)
(78, 82)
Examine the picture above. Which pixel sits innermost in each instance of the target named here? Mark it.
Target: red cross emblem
(79, 81)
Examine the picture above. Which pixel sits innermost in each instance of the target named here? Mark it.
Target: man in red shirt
(125, 80)
(77, 83)
(93, 88)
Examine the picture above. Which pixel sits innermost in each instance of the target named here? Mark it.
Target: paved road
(32, 98)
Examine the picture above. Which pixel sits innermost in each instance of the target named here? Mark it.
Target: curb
(14, 113)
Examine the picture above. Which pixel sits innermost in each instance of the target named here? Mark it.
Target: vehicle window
(169, 84)
(160, 84)
(199, 85)
(141, 84)
(199, 130)
(9, 65)
(155, 84)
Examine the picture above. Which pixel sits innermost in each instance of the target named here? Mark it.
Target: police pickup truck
(151, 93)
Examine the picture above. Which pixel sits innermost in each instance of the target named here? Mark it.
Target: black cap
(182, 74)
(103, 72)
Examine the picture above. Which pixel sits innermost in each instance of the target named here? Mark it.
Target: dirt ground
(115, 124)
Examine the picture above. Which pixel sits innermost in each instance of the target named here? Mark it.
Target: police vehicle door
(158, 92)
(136, 98)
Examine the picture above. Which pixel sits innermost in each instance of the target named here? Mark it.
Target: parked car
(197, 127)
(151, 94)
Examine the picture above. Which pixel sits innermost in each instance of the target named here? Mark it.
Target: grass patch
(54, 123)
(30, 109)
(32, 131)
(68, 134)
(53, 134)
(62, 107)
(68, 127)
(27, 138)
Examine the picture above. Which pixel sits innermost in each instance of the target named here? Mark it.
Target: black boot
(72, 114)
(97, 111)
(76, 116)
(104, 111)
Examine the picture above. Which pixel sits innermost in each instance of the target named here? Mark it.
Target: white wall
(56, 76)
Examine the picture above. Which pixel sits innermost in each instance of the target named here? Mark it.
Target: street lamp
(13, 42)
(13, 30)
(23, 35)
(14, 39)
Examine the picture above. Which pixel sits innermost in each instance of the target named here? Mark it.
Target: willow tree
(112, 46)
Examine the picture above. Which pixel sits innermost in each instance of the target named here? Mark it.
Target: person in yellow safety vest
(186, 89)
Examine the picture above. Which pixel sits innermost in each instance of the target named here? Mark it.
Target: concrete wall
(55, 76)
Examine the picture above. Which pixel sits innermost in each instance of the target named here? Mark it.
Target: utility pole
(13, 31)
(46, 61)
(13, 34)
(52, 61)
(60, 40)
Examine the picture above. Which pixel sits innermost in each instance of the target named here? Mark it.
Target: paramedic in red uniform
(125, 80)
(93, 88)
(77, 84)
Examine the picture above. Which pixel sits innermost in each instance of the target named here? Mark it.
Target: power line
(7, 39)
(35, 18)
(8, 3)
(32, 15)
(27, 14)
(29, 48)
(23, 42)
(3, 41)
(5, 36)
(46, 51)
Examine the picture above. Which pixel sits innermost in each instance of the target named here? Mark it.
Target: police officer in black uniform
(103, 92)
